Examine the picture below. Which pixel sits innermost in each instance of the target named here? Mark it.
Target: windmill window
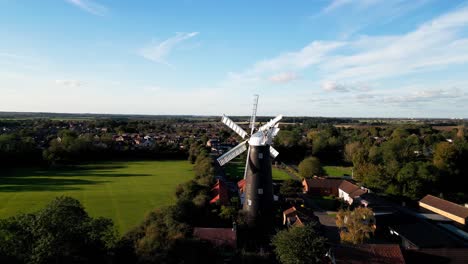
(260, 191)
(260, 155)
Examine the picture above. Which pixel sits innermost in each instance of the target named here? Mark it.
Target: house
(220, 193)
(321, 186)
(366, 253)
(212, 143)
(119, 138)
(217, 236)
(445, 208)
(297, 217)
(336, 187)
(147, 143)
(348, 191)
(372, 200)
(290, 216)
(413, 232)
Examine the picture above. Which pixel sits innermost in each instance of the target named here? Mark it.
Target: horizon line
(210, 115)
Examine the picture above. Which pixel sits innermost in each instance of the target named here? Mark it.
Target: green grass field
(337, 170)
(235, 171)
(122, 191)
(280, 175)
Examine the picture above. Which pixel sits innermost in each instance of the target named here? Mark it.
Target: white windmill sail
(263, 136)
(273, 152)
(252, 128)
(270, 123)
(236, 151)
(228, 122)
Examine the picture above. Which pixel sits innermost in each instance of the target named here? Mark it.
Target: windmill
(258, 203)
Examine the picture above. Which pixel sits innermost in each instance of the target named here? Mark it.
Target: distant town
(367, 190)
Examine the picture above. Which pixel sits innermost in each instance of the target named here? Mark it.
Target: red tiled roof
(220, 193)
(241, 185)
(215, 199)
(298, 221)
(318, 182)
(357, 193)
(348, 187)
(368, 253)
(217, 236)
(445, 206)
(289, 211)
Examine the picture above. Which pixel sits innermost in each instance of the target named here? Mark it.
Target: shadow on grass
(59, 178)
(64, 172)
(23, 184)
(234, 170)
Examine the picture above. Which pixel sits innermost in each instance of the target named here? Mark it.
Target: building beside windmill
(258, 186)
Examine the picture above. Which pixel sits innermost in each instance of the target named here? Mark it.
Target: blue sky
(361, 58)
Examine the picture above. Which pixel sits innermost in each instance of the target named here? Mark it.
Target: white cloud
(331, 86)
(68, 83)
(425, 96)
(353, 16)
(11, 55)
(158, 52)
(283, 77)
(312, 54)
(90, 6)
(435, 45)
(335, 4)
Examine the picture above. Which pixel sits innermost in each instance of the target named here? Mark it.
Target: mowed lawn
(338, 170)
(235, 170)
(280, 175)
(122, 191)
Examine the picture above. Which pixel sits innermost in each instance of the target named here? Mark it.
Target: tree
(228, 212)
(62, 232)
(299, 245)
(355, 226)
(309, 167)
(290, 188)
(414, 178)
(204, 169)
(287, 138)
(161, 232)
(445, 155)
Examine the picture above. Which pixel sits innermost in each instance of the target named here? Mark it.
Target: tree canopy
(299, 245)
(310, 167)
(62, 232)
(355, 225)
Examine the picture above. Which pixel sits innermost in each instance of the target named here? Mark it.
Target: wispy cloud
(68, 83)
(425, 96)
(437, 43)
(90, 6)
(331, 86)
(360, 14)
(288, 62)
(158, 51)
(284, 77)
(335, 4)
(434, 45)
(11, 55)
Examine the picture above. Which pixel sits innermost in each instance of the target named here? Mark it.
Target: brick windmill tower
(258, 203)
